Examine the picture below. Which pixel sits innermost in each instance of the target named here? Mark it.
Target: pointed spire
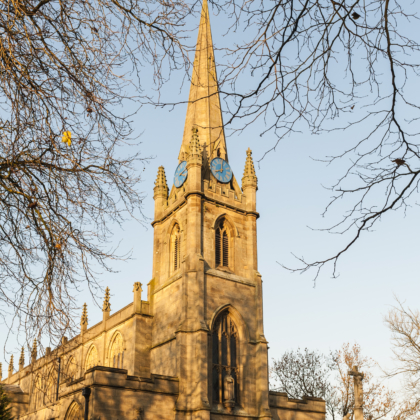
(161, 186)
(84, 319)
(22, 359)
(11, 366)
(204, 109)
(34, 352)
(250, 178)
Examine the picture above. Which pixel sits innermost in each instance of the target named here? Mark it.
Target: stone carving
(138, 412)
(229, 392)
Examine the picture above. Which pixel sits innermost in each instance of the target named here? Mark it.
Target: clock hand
(182, 173)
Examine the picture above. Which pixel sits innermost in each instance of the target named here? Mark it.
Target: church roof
(204, 111)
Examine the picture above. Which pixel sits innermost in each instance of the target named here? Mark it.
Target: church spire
(204, 111)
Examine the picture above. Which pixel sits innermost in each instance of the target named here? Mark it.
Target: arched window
(175, 248)
(222, 244)
(37, 397)
(71, 370)
(116, 354)
(51, 387)
(225, 361)
(92, 358)
(74, 412)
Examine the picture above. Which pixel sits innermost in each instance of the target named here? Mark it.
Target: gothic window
(175, 250)
(71, 370)
(116, 354)
(37, 397)
(222, 244)
(74, 412)
(225, 361)
(92, 358)
(50, 387)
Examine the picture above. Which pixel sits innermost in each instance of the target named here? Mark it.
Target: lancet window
(38, 392)
(175, 248)
(50, 387)
(222, 244)
(71, 370)
(225, 361)
(74, 412)
(92, 358)
(44, 389)
(116, 353)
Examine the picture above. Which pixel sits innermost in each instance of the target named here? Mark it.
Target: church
(195, 349)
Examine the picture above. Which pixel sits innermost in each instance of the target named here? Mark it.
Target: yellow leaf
(66, 138)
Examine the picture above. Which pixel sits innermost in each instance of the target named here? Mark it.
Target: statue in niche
(229, 392)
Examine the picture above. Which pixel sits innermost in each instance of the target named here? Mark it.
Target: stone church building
(195, 350)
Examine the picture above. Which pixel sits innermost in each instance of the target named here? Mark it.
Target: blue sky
(290, 198)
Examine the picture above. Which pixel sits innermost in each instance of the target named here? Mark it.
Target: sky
(290, 200)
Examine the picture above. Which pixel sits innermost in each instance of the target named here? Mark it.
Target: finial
(196, 151)
(11, 366)
(107, 306)
(34, 352)
(22, 359)
(84, 318)
(161, 186)
(249, 179)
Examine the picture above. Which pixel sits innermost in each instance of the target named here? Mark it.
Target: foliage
(404, 324)
(5, 410)
(69, 160)
(310, 373)
(302, 373)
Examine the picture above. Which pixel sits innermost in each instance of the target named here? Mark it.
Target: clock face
(180, 174)
(221, 170)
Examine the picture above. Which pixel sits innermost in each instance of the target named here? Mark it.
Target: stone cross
(358, 392)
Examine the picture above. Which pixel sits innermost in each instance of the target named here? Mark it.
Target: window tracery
(50, 387)
(37, 397)
(92, 358)
(116, 354)
(74, 412)
(222, 244)
(71, 370)
(225, 361)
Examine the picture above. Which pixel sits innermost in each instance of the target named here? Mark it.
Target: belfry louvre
(196, 348)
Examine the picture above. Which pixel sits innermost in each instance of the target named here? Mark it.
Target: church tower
(195, 350)
(206, 292)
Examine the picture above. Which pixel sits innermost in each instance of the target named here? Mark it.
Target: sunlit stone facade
(196, 348)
